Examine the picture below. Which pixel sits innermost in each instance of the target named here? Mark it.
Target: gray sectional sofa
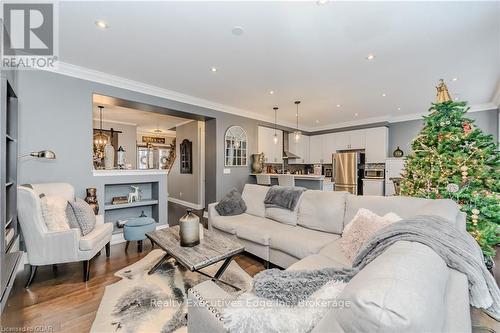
(406, 289)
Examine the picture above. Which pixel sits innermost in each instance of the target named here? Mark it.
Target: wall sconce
(45, 154)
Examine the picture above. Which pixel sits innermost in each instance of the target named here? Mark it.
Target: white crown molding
(357, 122)
(395, 119)
(120, 82)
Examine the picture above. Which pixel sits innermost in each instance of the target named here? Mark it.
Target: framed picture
(186, 158)
(235, 147)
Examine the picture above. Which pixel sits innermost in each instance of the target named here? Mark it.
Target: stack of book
(119, 200)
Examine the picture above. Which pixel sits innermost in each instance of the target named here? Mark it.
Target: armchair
(46, 247)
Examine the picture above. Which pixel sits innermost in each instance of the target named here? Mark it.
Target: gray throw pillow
(81, 215)
(231, 204)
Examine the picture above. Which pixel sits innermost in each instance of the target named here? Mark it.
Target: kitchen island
(311, 182)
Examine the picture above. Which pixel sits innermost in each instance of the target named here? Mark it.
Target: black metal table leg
(219, 272)
(158, 264)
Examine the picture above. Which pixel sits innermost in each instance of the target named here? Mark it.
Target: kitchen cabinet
(357, 139)
(350, 140)
(328, 148)
(316, 149)
(342, 141)
(273, 153)
(376, 144)
(394, 167)
(301, 149)
(373, 187)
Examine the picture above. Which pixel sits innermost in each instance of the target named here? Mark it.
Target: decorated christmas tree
(454, 159)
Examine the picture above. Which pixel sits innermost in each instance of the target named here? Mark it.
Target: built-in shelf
(9, 248)
(141, 203)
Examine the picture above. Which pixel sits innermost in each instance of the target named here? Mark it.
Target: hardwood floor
(58, 300)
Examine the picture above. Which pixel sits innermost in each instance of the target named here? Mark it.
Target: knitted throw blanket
(457, 248)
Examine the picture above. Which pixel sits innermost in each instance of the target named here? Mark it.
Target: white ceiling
(300, 50)
(146, 122)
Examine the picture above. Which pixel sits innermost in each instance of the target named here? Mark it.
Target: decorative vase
(189, 229)
(256, 163)
(109, 156)
(91, 199)
(398, 152)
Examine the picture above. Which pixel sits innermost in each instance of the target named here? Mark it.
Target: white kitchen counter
(303, 177)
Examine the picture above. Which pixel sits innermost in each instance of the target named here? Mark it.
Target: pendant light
(100, 139)
(275, 138)
(297, 134)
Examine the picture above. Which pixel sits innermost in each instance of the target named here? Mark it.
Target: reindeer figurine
(134, 196)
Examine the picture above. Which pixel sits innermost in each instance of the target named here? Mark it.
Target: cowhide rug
(156, 303)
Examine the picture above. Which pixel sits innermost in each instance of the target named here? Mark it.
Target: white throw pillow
(362, 227)
(54, 212)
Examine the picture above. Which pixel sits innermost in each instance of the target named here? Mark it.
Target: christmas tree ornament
(452, 188)
(442, 93)
(467, 127)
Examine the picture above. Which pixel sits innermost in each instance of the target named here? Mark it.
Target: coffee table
(213, 248)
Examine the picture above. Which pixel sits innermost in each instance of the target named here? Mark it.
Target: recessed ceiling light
(321, 2)
(237, 31)
(370, 57)
(101, 24)
(271, 92)
(399, 109)
(384, 94)
(356, 114)
(213, 69)
(455, 79)
(338, 105)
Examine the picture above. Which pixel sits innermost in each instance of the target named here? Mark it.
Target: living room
(335, 166)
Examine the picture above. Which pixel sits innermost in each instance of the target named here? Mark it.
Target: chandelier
(100, 139)
(297, 133)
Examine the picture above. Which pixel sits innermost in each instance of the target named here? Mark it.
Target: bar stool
(286, 180)
(264, 180)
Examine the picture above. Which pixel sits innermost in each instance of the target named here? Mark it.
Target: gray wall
(55, 113)
(186, 186)
(239, 175)
(126, 139)
(401, 134)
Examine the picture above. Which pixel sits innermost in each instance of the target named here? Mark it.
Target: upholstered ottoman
(135, 230)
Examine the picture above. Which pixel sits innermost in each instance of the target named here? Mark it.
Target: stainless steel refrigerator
(346, 171)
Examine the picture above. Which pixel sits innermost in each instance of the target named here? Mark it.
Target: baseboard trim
(186, 203)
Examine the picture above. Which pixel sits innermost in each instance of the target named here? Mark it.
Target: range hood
(286, 153)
